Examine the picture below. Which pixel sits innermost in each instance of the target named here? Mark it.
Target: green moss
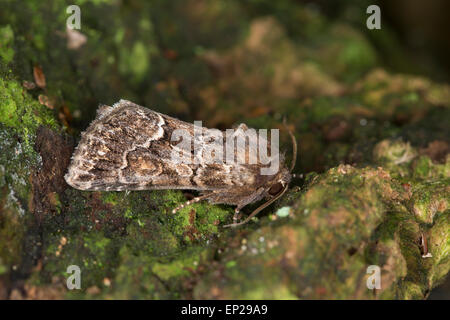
(19, 111)
(95, 254)
(182, 266)
(200, 221)
(428, 200)
(6, 44)
(440, 248)
(3, 268)
(136, 61)
(354, 56)
(17, 160)
(149, 236)
(111, 197)
(346, 220)
(425, 169)
(12, 234)
(395, 155)
(411, 291)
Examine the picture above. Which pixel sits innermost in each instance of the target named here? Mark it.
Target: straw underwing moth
(129, 147)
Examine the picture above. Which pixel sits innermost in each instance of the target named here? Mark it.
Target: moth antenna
(294, 145)
(187, 203)
(257, 210)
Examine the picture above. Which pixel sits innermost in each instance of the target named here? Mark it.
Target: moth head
(276, 188)
(278, 185)
(282, 179)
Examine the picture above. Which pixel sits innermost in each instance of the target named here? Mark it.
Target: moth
(129, 147)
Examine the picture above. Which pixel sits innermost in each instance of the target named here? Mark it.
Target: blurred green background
(349, 93)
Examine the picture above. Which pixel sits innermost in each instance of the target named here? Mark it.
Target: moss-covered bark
(373, 150)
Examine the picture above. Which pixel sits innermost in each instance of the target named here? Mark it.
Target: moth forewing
(129, 147)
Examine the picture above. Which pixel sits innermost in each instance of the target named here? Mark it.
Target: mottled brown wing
(128, 147)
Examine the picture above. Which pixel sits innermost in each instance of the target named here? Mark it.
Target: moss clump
(425, 169)
(6, 44)
(22, 113)
(92, 252)
(429, 199)
(12, 234)
(347, 220)
(440, 248)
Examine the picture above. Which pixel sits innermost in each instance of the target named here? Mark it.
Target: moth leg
(236, 214)
(187, 203)
(257, 210)
(235, 223)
